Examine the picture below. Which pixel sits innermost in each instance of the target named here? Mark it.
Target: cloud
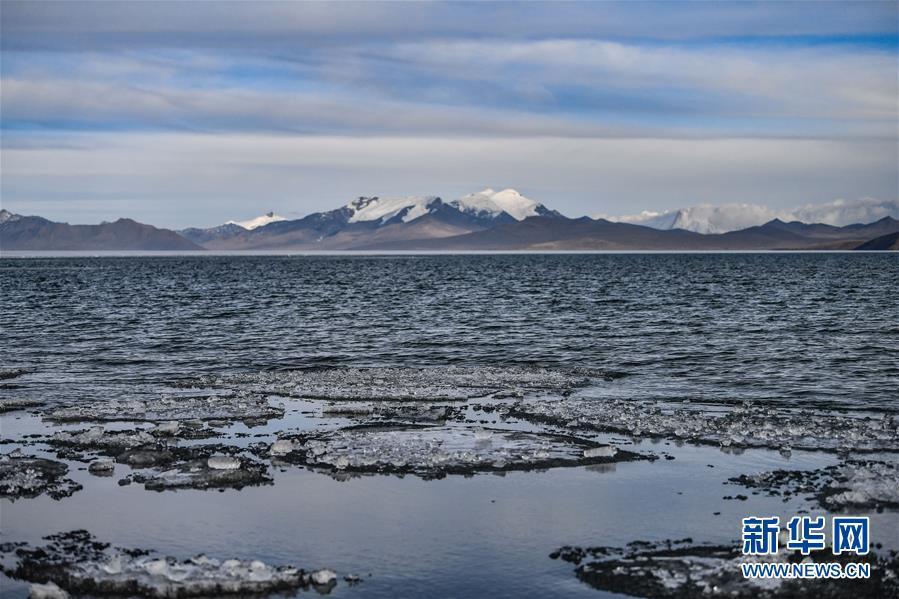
(192, 112)
(707, 218)
(183, 179)
(55, 25)
(846, 212)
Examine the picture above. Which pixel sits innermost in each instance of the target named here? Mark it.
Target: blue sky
(181, 113)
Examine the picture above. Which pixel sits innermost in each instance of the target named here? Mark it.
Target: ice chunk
(238, 406)
(223, 462)
(103, 466)
(482, 435)
(453, 383)
(281, 447)
(431, 451)
(679, 569)
(24, 476)
(728, 426)
(214, 472)
(76, 563)
(47, 591)
(853, 484)
(323, 577)
(600, 452)
(167, 428)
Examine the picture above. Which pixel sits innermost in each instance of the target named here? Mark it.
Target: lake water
(818, 332)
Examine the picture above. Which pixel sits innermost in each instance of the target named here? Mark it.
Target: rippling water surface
(815, 328)
(814, 331)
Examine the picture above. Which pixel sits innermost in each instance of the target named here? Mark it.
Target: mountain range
(487, 220)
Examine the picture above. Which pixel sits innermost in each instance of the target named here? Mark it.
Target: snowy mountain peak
(259, 221)
(707, 218)
(385, 209)
(490, 202)
(7, 216)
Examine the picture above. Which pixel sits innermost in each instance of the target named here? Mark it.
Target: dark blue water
(820, 329)
(811, 330)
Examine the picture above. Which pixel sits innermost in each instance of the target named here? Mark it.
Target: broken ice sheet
(242, 407)
(118, 443)
(79, 564)
(452, 383)
(213, 472)
(434, 451)
(746, 425)
(853, 484)
(680, 569)
(12, 405)
(29, 476)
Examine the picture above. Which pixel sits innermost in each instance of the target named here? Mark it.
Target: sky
(191, 114)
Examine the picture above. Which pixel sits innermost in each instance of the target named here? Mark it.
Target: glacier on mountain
(483, 204)
(385, 209)
(490, 202)
(259, 221)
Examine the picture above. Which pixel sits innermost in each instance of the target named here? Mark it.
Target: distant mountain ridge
(488, 220)
(39, 234)
(369, 220)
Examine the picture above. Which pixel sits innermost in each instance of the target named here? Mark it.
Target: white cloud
(707, 218)
(188, 179)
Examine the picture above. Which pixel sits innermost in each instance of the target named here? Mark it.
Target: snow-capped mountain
(7, 216)
(705, 218)
(384, 210)
(373, 219)
(259, 221)
(486, 204)
(492, 203)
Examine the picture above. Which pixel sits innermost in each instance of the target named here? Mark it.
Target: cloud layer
(707, 218)
(600, 106)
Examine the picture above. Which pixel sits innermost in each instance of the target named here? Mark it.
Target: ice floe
(854, 484)
(213, 472)
(11, 405)
(238, 407)
(102, 467)
(681, 570)
(745, 425)
(29, 476)
(77, 563)
(99, 438)
(433, 451)
(451, 383)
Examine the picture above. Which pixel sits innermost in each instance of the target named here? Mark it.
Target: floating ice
(324, 577)
(102, 466)
(223, 462)
(747, 425)
(47, 591)
(453, 383)
(12, 405)
(281, 447)
(98, 438)
(76, 563)
(600, 452)
(860, 484)
(214, 472)
(854, 484)
(29, 476)
(167, 428)
(438, 450)
(485, 435)
(679, 570)
(240, 406)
